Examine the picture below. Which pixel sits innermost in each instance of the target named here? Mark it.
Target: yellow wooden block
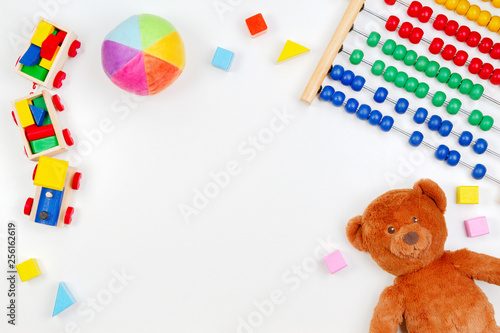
(51, 173)
(28, 270)
(48, 63)
(290, 50)
(468, 195)
(24, 113)
(42, 32)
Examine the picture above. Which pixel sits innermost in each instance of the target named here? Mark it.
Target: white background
(293, 195)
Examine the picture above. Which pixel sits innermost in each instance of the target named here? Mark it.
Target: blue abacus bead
(420, 115)
(401, 106)
(386, 123)
(416, 139)
(442, 152)
(338, 98)
(375, 118)
(358, 83)
(479, 171)
(453, 158)
(434, 123)
(465, 139)
(347, 78)
(380, 95)
(337, 72)
(363, 112)
(351, 106)
(327, 93)
(445, 129)
(480, 146)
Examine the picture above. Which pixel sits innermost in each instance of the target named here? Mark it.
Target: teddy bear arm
(388, 313)
(477, 266)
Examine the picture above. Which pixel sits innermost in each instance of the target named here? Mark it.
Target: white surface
(293, 195)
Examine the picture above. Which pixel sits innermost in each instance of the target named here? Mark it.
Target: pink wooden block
(335, 262)
(477, 227)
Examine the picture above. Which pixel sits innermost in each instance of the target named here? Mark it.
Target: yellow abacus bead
(484, 18)
(494, 24)
(496, 3)
(451, 4)
(463, 7)
(473, 12)
(440, 2)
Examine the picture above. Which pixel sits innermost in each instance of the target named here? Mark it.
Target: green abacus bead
(400, 79)
(399, 52)
(475, 117)
(454, 81)
(432, 69)
(439, 98)
(422, 63)
(422, 90)
(356, 57)
(466, 86)
(486, 123)
(410, 58)
(443, 75)
(390, 74)
(378, 68)
(453, 106)
(476, 92)
(373, 39)
(389, 46)
(411, 85)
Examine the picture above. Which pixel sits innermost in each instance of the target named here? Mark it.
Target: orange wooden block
(256, 25)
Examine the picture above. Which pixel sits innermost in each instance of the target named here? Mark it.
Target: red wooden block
(34, 132)
(49, 47)
(61, 35)
(256, 25)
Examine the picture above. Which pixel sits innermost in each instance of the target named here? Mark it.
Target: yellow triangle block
(291, 50)
(170, 49)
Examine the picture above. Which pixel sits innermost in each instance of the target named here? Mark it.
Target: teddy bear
(434, 290)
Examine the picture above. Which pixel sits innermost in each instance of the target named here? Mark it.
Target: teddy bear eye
(414, 219)
(391, 230)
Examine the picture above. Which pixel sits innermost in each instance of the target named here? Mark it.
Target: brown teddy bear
(434, 291)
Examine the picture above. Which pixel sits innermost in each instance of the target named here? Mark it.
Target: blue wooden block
(32, 56)
(223, 59)
(64, 299)
(49, 206)
(38, 114)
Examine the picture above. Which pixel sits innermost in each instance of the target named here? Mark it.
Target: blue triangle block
(127, 33)
(64, 299)
(38, 114)
(32, 56)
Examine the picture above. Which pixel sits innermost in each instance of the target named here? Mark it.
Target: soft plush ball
(143, 55)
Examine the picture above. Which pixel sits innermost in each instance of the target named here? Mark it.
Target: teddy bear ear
(433, 191)
(355, 233)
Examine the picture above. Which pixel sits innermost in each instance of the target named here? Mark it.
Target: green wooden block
(46, 120)
(35, 71)
(39, 102)
(55, 32)
(44, 144)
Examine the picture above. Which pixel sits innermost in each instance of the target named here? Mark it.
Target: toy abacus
(433, 70)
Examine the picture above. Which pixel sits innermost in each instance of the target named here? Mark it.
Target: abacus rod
(403, 3)
(369, 11)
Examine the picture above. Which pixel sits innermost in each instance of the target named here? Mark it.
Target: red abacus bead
(462, 33)
(405, 30)
(414, 9)
(486, 71)
(460, 58)
(451, 28)
(436, 46)
(392, 23)
(390, 2)
(475, 65)
(440, 22)
(416, 35)
(425, 14)
(474, 39)
(449, 52)
(495, 51)
(485, 45)
(495, 78)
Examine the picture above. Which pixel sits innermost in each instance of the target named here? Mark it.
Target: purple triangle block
(115, 55)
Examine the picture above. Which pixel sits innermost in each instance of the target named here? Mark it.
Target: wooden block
(38, 114)
(43, 30)
(32, 56)
(64, 299)
(61, 35)
(47, 121)
(335, 262)
(41, 145)
(290, 50)
(477, 227)
(34, 132)
(49, 206)
(47, 64)
(68, 191)
(256, 25)
(467, 194)
(49, 47)
(39, 102)
(223, 59)
(35, 72)
(24, 113)
(51, 173)
(28, 270)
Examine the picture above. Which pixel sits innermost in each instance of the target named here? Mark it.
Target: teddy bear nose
(411, 238)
